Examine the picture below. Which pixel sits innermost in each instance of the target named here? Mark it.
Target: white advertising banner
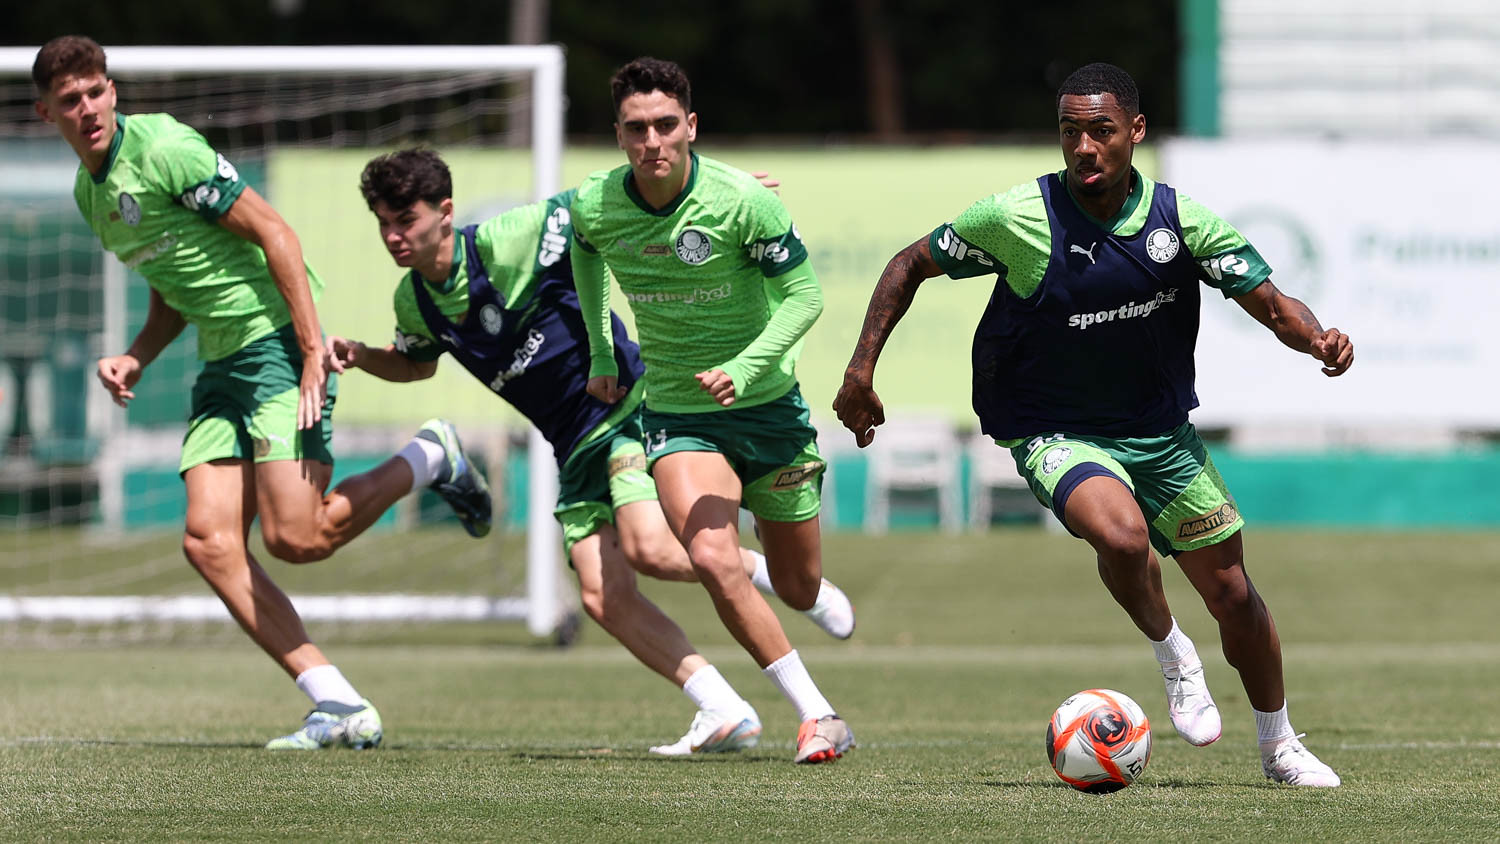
(1396, 245)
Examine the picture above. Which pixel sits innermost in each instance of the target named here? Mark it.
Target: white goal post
(546, 609)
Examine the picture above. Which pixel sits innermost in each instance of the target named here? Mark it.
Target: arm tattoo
(1296, 325)
(893, 294)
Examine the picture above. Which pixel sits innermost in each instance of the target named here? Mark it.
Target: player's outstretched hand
(314, 392)
(118, 374)
(859, 408)
(1335, 350)
(717, 383)
(606, 388)
(342, 353)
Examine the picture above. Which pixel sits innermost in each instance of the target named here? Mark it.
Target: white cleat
(714, 732)
(832, 612)
(1291, 763)
(1189, 704)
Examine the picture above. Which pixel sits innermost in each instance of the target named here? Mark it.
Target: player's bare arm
(387, 364)
(856, 404)
(119, 373)
(253, 219)
(1294, 325)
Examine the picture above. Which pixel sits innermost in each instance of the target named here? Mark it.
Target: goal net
(91, 506)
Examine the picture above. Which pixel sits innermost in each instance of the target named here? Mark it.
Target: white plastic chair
(992, 469)
(913, 454)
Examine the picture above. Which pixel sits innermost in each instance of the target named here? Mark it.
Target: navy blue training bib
(537, 357)
(1105, 344)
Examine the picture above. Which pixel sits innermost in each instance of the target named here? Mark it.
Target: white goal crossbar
(545, 608)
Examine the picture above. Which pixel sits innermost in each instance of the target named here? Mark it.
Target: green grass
(965, 644)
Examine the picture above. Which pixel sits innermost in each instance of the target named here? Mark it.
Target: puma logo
(1081, 251)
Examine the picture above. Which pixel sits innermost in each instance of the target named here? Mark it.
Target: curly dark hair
(402, 177)
(645, 75)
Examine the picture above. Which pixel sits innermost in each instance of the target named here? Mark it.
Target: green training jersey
(155, 205)
(719, 278)
(517, 247)
(1008, 234)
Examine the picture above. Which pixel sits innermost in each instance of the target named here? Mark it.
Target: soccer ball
(1099, 741)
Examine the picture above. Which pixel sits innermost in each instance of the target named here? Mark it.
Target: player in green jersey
(1083, 367)
(218, 256)
(526, 342)
(722, 293)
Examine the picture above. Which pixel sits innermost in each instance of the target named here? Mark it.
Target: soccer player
(499, 297)
(722, 292)
(1083, 368)
(218, 256)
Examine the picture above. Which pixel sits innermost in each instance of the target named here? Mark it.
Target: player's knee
(609, 601)
(295, 547)
(1230, 598)
(591, 596)
(797, 589)
(1124, 540)
(717, 567)
(212, 553)
(663, 558)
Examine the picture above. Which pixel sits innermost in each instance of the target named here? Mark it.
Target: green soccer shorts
(245, 407)
(772, 447)
(602, 475)
(1172, 476)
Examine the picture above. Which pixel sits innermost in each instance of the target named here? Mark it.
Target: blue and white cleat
(332, 724)
(461, 484)
(715, 732)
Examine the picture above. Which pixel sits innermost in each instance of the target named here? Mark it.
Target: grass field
(964, 646)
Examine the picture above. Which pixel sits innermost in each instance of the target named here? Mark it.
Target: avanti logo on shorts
(1201, 526)
(1131, 310)
(796, 475)
(697, 296)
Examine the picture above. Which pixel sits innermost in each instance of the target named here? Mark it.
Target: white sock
(761, 577)
(426, 459)
(1272, 728)
(1173, 649)
(791, 677)
(708, 689)
(326, 682)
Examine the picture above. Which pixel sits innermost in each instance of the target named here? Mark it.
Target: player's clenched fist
(1335, 350)
(118, 374)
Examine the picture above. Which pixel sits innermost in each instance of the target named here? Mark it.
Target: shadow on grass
(637, 756)
(175, 744)
(1059, 784)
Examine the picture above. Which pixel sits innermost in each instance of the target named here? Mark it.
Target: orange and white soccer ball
(1099, 741)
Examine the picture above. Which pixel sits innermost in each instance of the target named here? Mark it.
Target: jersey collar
(114, 150)
(671, 207)
(1137, 190)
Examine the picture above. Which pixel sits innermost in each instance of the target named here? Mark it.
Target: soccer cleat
(461, 485)
(1294, 764)
(332, 724)
(833, 612)
(1189, 704)
(713, 732)
(822, 740)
